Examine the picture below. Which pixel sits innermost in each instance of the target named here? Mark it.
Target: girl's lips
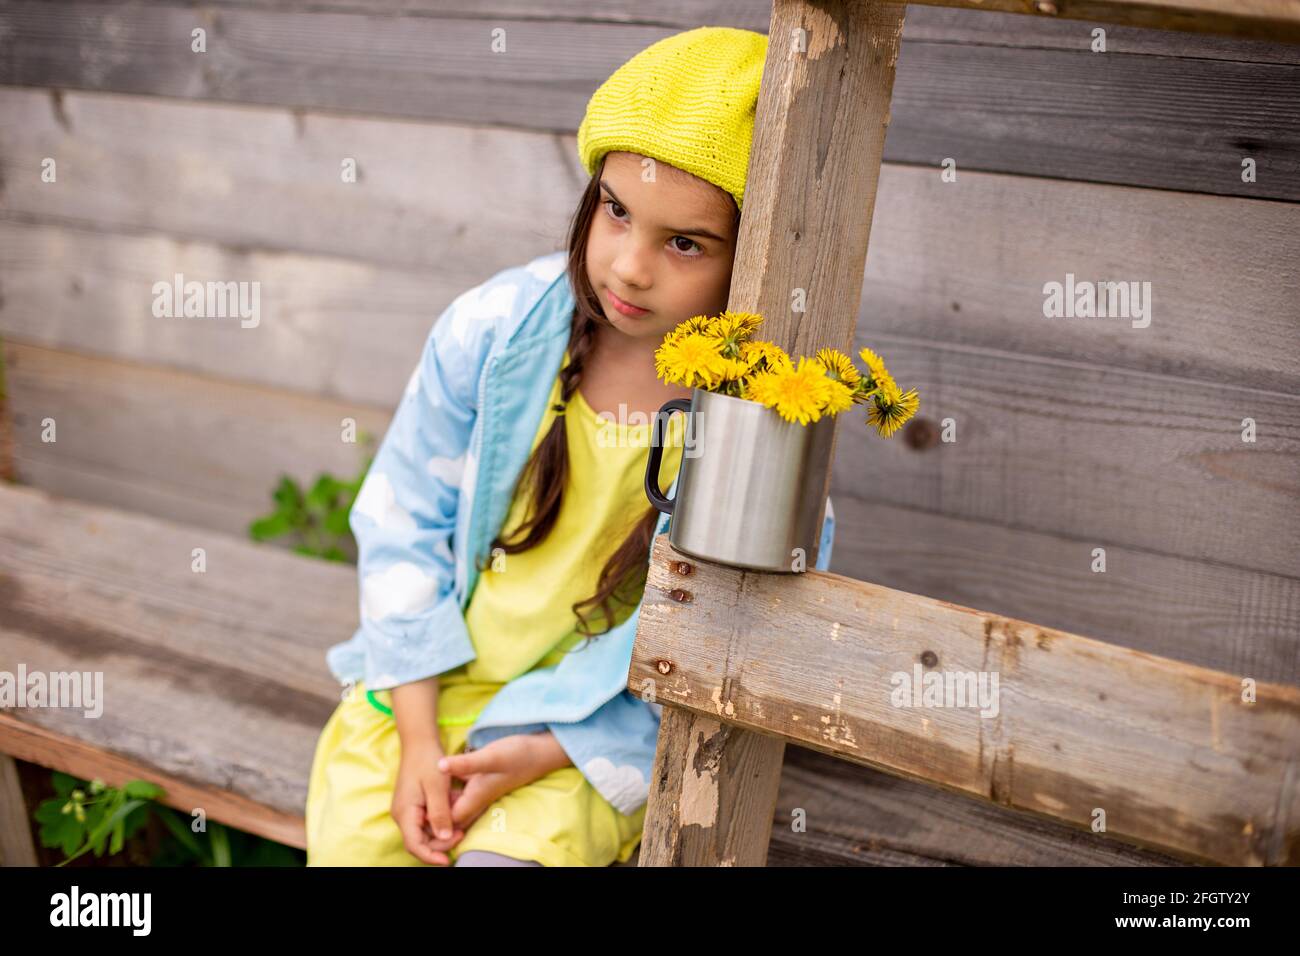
(624, 307)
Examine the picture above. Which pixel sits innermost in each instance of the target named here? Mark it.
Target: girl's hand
(422, 804)
(502, 766)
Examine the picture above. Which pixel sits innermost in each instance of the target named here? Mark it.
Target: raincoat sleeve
(614, 748)
(412, 626)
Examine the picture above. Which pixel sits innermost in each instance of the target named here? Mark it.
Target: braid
(546, 473)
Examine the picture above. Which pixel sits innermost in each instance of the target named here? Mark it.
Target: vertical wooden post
(16, 846)
(819, 136)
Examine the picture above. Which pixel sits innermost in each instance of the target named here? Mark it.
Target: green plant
(84, 815)
(318, 517)
(92, 816)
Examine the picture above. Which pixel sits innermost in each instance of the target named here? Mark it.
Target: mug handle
(657, 453)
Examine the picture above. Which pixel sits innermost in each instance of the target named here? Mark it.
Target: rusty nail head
(929, 658)
(664, 666)
(683, 567)
(677, 594)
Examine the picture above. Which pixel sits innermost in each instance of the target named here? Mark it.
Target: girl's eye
(610, 205)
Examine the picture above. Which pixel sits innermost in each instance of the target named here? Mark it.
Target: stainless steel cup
(749, 492)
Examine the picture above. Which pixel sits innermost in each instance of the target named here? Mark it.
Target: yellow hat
(687, 100)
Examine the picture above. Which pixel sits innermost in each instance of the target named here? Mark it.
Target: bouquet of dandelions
(718, 354)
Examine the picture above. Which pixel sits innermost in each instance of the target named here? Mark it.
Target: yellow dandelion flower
(797, 395)
(695, 324)
(891, 411)
(763, 355)
(734, 369)
(840, 367)
(693, 361)
(838, 398)
(886, 385)
(738, 326)
(874, 362)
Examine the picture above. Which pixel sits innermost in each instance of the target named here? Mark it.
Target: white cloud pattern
(481, 304)
(447, 470)
(378, 502)
(624, 786)
(400, 589)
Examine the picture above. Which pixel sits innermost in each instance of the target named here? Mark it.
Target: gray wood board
(354, 276)
(1132, 118)
(182, 447)
(1103, 456)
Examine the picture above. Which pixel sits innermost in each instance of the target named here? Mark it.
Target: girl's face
(665, 246)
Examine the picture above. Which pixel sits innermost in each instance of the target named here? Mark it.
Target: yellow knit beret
(687, 100)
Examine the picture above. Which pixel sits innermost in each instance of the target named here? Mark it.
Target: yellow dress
(519, 618)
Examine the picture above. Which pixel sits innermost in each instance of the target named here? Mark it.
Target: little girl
(503, 528)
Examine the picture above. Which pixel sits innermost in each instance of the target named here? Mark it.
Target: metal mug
(749, 489)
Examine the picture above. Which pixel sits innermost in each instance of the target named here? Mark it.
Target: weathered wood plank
(962, 262)
(340, 329)
(856, 816)
(1133, 120)
(443, 67)
(191, 449)
(16, 845)
(1102, 456)
(448, 200)
(1201, 612)
(1269, 18)
(214, 683)
(966, 262)
(941, 24)
(713, 793)
(81, 759)
(1171, 753)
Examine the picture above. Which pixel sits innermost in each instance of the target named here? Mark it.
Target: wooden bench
(217, 690)
(215, 682)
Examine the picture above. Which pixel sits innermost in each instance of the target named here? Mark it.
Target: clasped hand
(433, 816)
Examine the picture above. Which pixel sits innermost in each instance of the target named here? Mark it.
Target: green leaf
(142, 789)
(183, 834)
(220, 845)
(271, 526)
(71, 838)
(119, 837)
(321, 497)
(287, 494)
(64, 783)
(50, 810)
(101, 831)
(336, 522)
(61, 831)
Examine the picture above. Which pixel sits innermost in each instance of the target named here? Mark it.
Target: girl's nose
(631, 266)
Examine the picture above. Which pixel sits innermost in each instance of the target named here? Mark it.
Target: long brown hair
(622, 580)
